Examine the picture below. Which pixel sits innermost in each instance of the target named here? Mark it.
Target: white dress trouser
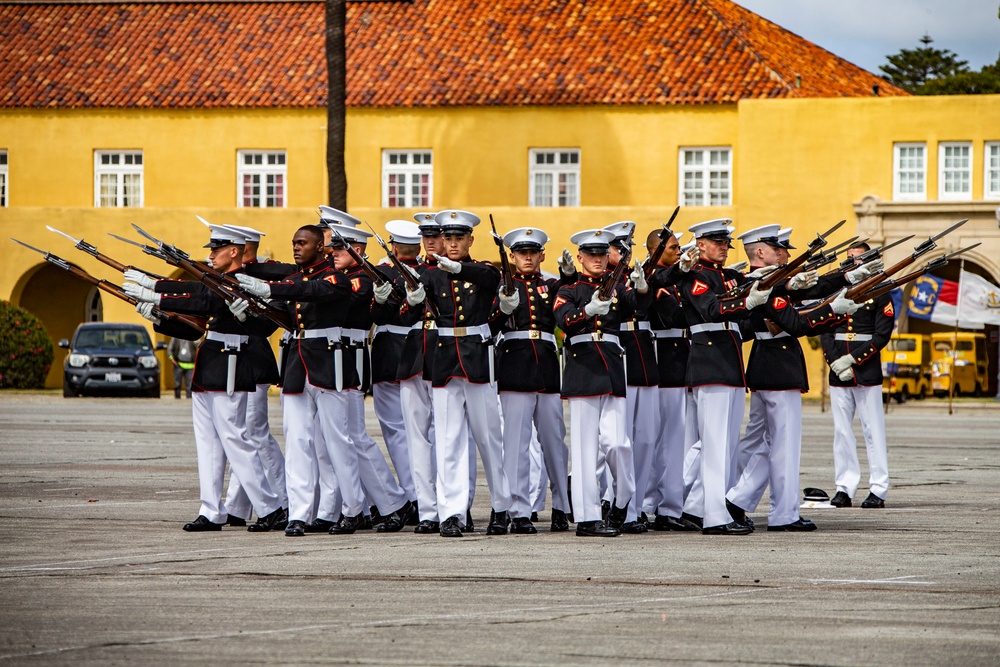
(775, 460)
(415, 397)
(389, 412)
(259, 430)
(867, 401)
(642, 423)
(539, 475)
(665, 488)
(220, 433)
(754, 435)
(461, 406)
(597, 431)
(379, 484)
(301, 412)
(694, 492)
(327, 501)
(720, 413)
(521, 411)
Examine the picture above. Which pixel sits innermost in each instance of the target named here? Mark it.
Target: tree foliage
(25, 349)
(930, 71)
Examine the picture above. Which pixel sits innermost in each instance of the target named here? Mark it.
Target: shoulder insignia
(663, 292)
(558, 302)
(699, 288)
(888, 310)
(355, 284)
(779, 303)
(332, 279)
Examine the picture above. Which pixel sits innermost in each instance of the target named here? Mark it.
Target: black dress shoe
(799, 526)
(236, 521)
(319, 526)
(470, 526)
(347, 525)
(376, 517)
(498, 523)
(643, 519)
(365, 522)
(393, 523)
(727, 529)
(450, 527)
(872, 501)
(560, 522)
(841, 499)
(411, 517)
(695, 521)
(633, 527)
(596, 529)
(521, 526)
(427, 527)
(295, 529)
(270, 522)
(534, 517)
(616, 516)
(679, 525)
(605, 509)
(201, 524)
(739, 515)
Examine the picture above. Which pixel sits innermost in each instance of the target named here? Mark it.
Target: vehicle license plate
(112, 377)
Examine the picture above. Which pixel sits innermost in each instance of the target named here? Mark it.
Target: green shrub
(25, 349)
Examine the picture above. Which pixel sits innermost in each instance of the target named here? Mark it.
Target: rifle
(654, 257)
(368, 267)
(505, 271)
(93, 251)
(109, 287)
(824, 257)
(409, 277)
(869, 255)
(887, 286)
(608, 286)
(147, 249)
(224, 285)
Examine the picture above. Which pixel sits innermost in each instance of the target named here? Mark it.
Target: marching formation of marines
(466, 360)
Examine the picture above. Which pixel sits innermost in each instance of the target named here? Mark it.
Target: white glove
(804, 280)
(757, 296)
(141, 293)
(855, 276)
(689, 258)
(844, 306)
(638, 277)
(762, 271)
(842, 366)
(146, 310)
(417, 296)
(238, 308)
(508, 304)
(382, 292)
(738, 266)
(139, 278)
(846, 376)
(449, 265)
(255, 286)
(597, 306)
(565, 262)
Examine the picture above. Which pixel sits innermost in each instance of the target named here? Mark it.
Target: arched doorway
(61, 302)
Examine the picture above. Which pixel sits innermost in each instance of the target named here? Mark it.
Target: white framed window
(955, 170)
(554, 174)
(407, 178)
(909, 171)
(261, 179)
(706, 176)
(991, 170)
(118, 179)
(3, 178)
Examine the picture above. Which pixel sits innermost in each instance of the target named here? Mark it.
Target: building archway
(61, 302)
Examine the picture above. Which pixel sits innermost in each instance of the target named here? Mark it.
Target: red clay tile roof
(401, 54)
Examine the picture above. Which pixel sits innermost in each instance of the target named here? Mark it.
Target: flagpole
(954, 338)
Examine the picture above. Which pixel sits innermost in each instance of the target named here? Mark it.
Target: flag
(979, 299)
(936, 299)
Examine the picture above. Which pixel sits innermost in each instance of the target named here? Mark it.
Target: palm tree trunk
(336, 107)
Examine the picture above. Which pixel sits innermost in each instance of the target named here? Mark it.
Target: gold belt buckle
(429, 324)
(300, 333)
(630, 326)
(534, 334)
(598, 336)
(461, 331)
(850, 337)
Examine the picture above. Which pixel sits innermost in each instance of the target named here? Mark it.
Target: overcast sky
(866, 31)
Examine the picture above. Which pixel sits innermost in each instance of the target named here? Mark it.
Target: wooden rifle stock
(505, 270)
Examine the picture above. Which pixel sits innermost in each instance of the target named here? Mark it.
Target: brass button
(458, 298)
(461, 317)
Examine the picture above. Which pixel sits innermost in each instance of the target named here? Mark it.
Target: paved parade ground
(96, 569)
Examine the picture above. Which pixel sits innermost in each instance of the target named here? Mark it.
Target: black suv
(112, 358)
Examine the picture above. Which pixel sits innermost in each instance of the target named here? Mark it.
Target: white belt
(767, 335)
(595, 337)
(714, 326)
(634, 326)
(481, 330)
(670, 333)
(853, 337)
(229, 341)
(531, 334)
(356, 336)
(332, 334)
(394, 329)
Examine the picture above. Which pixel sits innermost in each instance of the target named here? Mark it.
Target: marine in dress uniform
(594, 381)
(853, 353)
(463, 393)
(527, 373)
(223, 380)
